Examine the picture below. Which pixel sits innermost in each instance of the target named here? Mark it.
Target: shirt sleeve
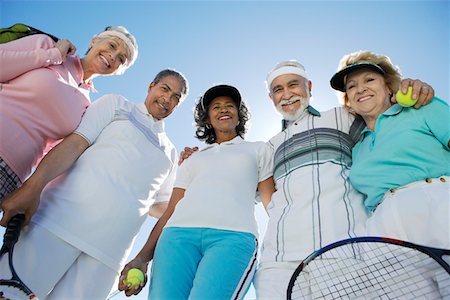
(265, 162)
(97, 116)
(184, 174)
(437, 116)
(164, 193)
(25, 54)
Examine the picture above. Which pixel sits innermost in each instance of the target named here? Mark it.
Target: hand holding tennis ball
(134, 277)
(405, 99)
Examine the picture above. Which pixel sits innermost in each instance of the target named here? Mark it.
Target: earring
(208, 126)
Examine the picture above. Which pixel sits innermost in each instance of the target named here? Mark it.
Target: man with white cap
(314, 204)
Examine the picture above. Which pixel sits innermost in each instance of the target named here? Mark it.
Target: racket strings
(13, 292)
(372, 271)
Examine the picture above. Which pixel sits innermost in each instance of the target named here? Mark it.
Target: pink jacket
(41, 100)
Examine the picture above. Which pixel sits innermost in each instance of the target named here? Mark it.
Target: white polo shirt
(315, 203)
(221, 183)
(100, 203)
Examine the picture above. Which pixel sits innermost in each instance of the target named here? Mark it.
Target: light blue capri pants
(202, 263)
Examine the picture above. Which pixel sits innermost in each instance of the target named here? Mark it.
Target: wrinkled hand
(186, 153)
(66, 48)
(420, 90)
(24, 200)
(138, 264)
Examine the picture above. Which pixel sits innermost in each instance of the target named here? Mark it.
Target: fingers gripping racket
(372, 268)
(13, 288)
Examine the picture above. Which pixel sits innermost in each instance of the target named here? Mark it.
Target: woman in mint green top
(406, 145)
(402, 161)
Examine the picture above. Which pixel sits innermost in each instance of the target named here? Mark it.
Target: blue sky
(238, 42)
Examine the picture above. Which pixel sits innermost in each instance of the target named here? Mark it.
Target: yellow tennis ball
(405, 99)
(134, 277)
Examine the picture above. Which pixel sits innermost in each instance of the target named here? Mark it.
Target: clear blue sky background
(238, 42)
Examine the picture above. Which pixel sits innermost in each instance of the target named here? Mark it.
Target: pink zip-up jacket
(41, 100)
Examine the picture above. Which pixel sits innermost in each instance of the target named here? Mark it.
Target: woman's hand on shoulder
(66, 48)
(421, 91)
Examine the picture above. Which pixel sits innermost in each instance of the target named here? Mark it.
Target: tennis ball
(405, 99)
(134, 277)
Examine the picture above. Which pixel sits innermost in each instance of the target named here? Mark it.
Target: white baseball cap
(286, 67)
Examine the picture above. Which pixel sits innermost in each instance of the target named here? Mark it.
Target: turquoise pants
(202, 263)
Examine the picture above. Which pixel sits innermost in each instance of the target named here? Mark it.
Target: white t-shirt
(314, 204)
(100, 203)
(221, 183)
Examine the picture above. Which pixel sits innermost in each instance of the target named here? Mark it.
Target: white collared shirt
(100, 203)
(221, 182)
(314, 204)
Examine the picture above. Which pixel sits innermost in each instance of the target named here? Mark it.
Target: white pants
(418, 212)
(55, 270)
(272, 279)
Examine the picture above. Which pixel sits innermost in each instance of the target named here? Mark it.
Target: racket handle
(12, 232)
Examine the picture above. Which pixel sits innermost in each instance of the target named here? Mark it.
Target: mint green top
(407, 145)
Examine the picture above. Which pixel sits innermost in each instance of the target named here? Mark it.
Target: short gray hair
(181, 78)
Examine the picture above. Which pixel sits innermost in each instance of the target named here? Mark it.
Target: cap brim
(337, 81)
(221, 90)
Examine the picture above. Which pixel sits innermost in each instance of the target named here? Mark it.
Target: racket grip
(12, 231)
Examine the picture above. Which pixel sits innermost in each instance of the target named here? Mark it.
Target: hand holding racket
(24, 200)
(372, 268)
(13, 288)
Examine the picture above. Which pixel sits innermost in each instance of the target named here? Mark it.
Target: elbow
(158, 209)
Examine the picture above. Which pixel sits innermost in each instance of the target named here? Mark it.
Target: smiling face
(368, 95)
(223, 117)
(105, 56)
(290, 94)
(163, 97)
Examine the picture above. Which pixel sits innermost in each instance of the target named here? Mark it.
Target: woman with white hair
(44, 91)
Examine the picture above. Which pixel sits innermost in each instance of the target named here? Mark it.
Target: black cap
(221, 90)
(337, 81)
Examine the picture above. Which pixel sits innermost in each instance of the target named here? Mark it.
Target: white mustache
(289, 101)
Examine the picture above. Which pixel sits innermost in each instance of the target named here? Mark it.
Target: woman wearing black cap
(207, 243)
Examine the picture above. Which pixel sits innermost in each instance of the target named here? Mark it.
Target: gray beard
(299, 113)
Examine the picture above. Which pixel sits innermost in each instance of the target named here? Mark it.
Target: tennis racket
(372, 268)
(13, 288)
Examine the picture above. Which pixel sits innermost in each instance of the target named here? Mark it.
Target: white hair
(130, 41)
